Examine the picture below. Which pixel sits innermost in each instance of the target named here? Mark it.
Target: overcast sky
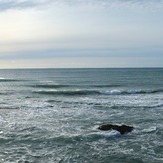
(81, 33)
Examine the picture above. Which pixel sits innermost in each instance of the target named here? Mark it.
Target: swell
(97, 92)
(105, 106)
(49, 86)
(77, 85)
(131, 92)
(68, 92)
(10, 80)
(6, 93)
(35, 137)
(105, 85)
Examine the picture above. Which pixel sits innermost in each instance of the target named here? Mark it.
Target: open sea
(52, 115)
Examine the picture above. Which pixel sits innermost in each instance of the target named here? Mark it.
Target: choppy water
(52, 115)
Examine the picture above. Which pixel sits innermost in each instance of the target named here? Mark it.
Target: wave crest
(128, 92)
(96, 92)
(68, 92)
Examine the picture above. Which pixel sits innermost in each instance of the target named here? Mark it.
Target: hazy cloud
(141, 4)
(149, 4)
(21, 4)
(98, 33)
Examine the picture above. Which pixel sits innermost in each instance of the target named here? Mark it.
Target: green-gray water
(52, 115)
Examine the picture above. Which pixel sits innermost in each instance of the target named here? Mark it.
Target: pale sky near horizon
(81, 33)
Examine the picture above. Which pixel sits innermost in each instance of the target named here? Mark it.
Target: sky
(81, 33)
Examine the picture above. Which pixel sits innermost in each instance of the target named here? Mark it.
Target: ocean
(53, 115)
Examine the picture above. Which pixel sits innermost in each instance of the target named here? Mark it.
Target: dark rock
(122, 129)
(26, 161)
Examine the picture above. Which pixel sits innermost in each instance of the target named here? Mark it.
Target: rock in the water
(122, 129)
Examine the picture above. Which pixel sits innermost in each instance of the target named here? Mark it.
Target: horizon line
(21, 68)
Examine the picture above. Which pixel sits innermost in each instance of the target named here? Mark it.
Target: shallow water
(52, 115)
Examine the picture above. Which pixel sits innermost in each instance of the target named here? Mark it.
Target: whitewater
(53, 115)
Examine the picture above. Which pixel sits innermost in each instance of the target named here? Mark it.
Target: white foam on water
(108, 134)
(112, 92)
(151, 129)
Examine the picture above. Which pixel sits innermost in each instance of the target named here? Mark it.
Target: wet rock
(122, 129)
(23, 161)
(26, 161)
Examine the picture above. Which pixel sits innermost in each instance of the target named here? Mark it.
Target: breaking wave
(128, 92)
(96, 92)
(9, 80)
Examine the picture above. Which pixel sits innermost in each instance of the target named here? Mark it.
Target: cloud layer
(35, 33)
(141, 4)
(21, 4)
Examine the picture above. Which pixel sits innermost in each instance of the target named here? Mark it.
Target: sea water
(52, 115)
